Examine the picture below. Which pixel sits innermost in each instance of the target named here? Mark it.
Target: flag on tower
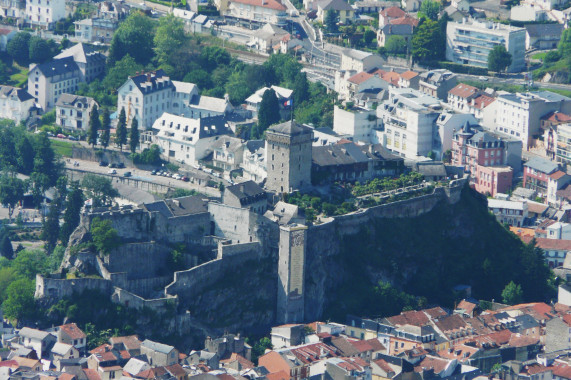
(288, 103)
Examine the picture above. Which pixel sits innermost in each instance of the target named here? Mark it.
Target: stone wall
(56, 288)
(190, 283)
(148, 256)
(160, 305)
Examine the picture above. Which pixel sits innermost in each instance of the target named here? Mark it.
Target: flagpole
(292, 105)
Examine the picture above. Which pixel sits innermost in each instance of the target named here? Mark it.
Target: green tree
(40, 51)
(19, 303)
(512, 294)
(6, 248)
(134, 135)
(300, 89)
(330, 21)
(121, 132)
(94, 126)
(19, 48)
(30, 262)
(499, 59)
(72, 214)
(104, 236)
(51, 229)
(46, 162)
(169, 37)
(269, 112)
(25, 152)
(259, 348)
(369, 36)
(105, 127)
(564, 45)
(430, 9)
(99, 189)
(11, 192)
(396, 45)
(134, 37)
(7, 276)
(119, 73)
(427, 42)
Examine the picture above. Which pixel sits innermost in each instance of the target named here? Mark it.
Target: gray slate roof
(246, 190)
(178, 206)
(159, 347)
(27, 332)
(339, 154)
(289, 128)
(14, 93)
(538, 30)
(542, 165)
(336, 5)
(58, 67)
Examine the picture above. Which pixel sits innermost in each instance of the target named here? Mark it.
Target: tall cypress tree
(134, 135)
(94, 126)
(72, 214)
(121, 132)
(105, 126)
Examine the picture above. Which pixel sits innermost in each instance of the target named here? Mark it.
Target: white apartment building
(72, 111)
(409, 120)
(518, 115)
(46, 82)
(187, 140)
(44, 13)
(254, 161)
(512, 213)
(357, 60)
(356, 124)
(470, 42)
(148, 95)
(95, 29)
(91, 63)
(15, 103)
(227, 153)
(13, 8)
(262, 11)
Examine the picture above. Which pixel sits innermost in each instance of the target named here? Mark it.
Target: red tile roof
(91, 374)
(405, 20)
(281, 375)
(9, 363)
(73, 331)
(415, 318)
(557, 117)
(432, 362)
(483, 101)
(463, 90)
(376, 344)
(176, 370)
(244, 363)
(360, 77)
(558, 174)
(4, 31)
(408, 75)
(549, 244)
(271, 4)
(562, 370)
(467, 306)
(435, 312)
(361, 345)
(518, 340)
(392, 12)
(384, 366)
(103, 348)
(534, 369)
(460, 352)
(311, 353)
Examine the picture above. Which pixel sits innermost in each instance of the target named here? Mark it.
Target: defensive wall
(190, 283)
(56, 287)
(128, 299)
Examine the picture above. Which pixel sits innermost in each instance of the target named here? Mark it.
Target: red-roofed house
(382, 369)
(409, 79)
(556, 181)
(348, 85)
(555, 250)
(263, 11)
(389, 14)
(460, 97)
(71, 334)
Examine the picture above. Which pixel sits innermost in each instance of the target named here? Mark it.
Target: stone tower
(288, 149)
(291, 272)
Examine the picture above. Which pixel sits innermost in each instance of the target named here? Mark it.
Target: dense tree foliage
(19, 48)
(268, 114)
(134, 135)
(94, 126)
(430, 9)
(512, 294)
(119, 73)
(105, 128)
(330, 21)
(396, 45)
(169, 37)
(11, 192)
(427, 42)
(71, 216)
(499, 59)
(134, 37)
(99, 189)
(121, 132)
(104, 236)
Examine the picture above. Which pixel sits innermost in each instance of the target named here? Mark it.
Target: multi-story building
(437, 83)
(562, 144)
(72, 111)
(15, 103)
(358, 61)
(13, 8)
(469, 99)
(260, 11)
(44, 13)
(542, 36)
(227, 153)
(519, 115)
(356, 123)
(187, 140)
(246, 195)
(288, 152)
(409, 119)
(282, 94)
(536, 174)
(95, 29)
(470, 42)
(147, 96)
(91, 63)
(485, 156)
(513, 213)
(47, 81)
(343, 10)
(388, 14)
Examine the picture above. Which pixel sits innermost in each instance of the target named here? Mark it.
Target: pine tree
(71, 216)
(134, 135)
(121, 133)
(105, 126)
(94, 126)
(50, 232)
(6, 249)
(269, 112)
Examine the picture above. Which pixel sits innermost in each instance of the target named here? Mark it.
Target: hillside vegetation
(407, 263)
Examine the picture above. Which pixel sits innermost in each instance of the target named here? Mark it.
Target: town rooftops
(74, 100)
(271, 4)
(338, 154)
(501, 204)
(550, 244)
(405, 20)
(542, 165)
(463, 90)
(557, 175)
(398, 29)
(130, 342)
(336, 5)
(61, 348)
(408, 75)
(281, 93)
(436, 76)
(360, 77)
(159, 347)
(539, 30)
(392, 12)
(557, 117)
(34, 334)
(152, 81)
(14, 93)
(178, 207)
(231, 144)
(57, 67)
(482, 101)
(81, 53)
(356, 54)
(246, 190)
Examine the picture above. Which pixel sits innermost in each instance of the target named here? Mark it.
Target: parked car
(113, 165)
(120, 165)
(73, 138)
(112, 171)
(153, 172)
(127, 174)
(103, 163)
(185, 179)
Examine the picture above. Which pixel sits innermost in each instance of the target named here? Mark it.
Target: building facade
(48, 81)
(469, 43)
(72, 111)
(44, 13)
(15, 103)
